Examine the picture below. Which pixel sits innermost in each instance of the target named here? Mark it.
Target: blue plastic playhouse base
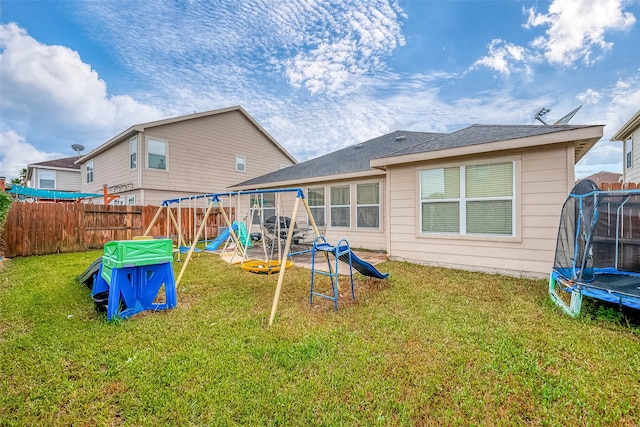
(134, 289)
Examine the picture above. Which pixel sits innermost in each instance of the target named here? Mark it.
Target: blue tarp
(35, 193)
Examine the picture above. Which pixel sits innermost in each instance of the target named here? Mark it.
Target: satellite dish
(77, 148)
(561, 121)
(565, 119)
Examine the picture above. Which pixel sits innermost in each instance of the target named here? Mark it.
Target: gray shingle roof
(355, 158)
(480, 134)
(66, 163)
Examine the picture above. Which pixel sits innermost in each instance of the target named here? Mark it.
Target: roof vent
(401, 138)
(360, 145)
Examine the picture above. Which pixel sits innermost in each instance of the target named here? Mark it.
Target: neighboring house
(605, 177)
(629, 134)
(182, 156)
(59, 174)
(483, 198)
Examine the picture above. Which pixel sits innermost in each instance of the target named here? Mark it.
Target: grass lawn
(429, 347)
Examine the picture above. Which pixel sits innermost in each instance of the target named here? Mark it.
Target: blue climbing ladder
(341, 252)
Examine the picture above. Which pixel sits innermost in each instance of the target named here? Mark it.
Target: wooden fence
(614, 186)
(47, 228)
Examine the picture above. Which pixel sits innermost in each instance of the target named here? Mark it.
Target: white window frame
(241, 164)
(463, 200)
(347, 206)
(318, 207)
(131, 200)
(629, 154)
(90, 172)
(166, 154)
(53, 173)
(367, 205)
(133, 151)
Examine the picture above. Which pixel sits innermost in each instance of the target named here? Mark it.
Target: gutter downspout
(387, 211)
(624, 161)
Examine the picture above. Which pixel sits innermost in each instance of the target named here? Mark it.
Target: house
(629, 134)
(345, 194)
(59, 174)
(486, 197)
(194, 154)
(604, 177)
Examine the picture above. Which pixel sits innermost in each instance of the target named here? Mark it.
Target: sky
(316, 75)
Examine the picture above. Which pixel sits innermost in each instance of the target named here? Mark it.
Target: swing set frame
(215, 199)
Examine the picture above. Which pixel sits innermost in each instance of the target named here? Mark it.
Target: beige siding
(542, 179)
(202, 154)
(201, 158)
(633, 173)
(111, 168)
(67, 180)
(156, 197)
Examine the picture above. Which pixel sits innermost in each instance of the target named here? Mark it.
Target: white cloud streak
(321, 46)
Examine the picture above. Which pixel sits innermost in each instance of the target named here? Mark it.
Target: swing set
(283, 231)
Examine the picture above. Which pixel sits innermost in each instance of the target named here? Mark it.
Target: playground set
(598, 249)
(131, 274)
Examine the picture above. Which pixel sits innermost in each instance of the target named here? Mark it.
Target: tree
(22, 179)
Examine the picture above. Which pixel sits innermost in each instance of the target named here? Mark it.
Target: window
(89, 171)
(133, 153)
(629, 153)
(468, 200)
(131, 200)
(368, 205)
(315, 200)
(240, 164)
(47, 179)
(263, 206)
(156, 154)
(340, 207)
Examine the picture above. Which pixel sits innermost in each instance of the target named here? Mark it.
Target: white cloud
(619, 103)
(576, 28)
(16, 153)
(589, 96)
(50, 90)
(321, 46)
(187, 56)
(504, 58)
(356, 44)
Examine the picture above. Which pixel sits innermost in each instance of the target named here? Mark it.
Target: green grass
(430, 347)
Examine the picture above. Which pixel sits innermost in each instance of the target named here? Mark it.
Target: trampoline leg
(574, 307)
(576, 303)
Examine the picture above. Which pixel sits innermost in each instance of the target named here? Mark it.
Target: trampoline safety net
(598, 230)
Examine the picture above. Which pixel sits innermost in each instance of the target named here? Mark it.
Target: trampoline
(598, 248)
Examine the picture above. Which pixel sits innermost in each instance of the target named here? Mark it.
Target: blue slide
(241, 234)
(361, 266)
(222, 237)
